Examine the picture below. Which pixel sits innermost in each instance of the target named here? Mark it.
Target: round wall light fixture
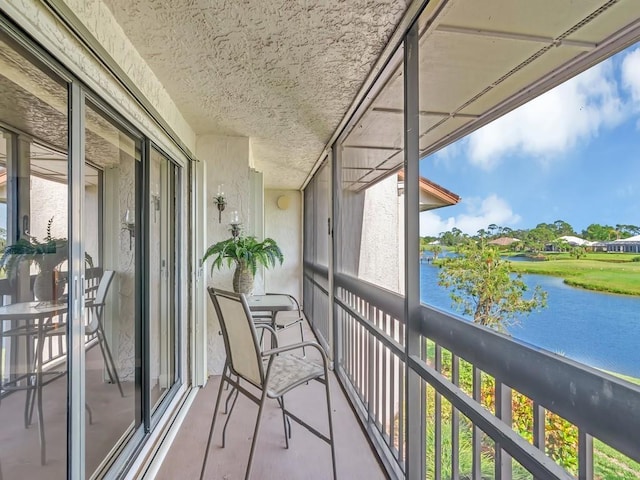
(283, 202)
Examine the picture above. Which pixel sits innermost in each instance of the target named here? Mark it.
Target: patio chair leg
(31, 395)
(109, 357)
(233, 404)
(213, 424)
(287, 433)
(28, 403)
(247, 475)
(29, 406)
(331, 442)
(43, 445)
(226, 403)
(304, 352)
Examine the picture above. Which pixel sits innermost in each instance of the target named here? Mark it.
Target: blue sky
(571, 154)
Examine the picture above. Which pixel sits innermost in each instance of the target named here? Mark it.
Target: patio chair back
(103, 287)
(97, 305)
(239, 334)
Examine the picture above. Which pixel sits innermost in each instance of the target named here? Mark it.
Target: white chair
(273, 372)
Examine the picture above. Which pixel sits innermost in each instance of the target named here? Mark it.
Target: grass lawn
(609, 464)
(590, 273)
(599, 256)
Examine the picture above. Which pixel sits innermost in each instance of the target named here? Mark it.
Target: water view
(599, 329)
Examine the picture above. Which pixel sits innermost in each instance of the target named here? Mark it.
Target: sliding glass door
(34, 233)
(113, 295)
(162, 274)
(88, 364)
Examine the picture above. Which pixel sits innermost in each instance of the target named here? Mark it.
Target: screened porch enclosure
(440, 396)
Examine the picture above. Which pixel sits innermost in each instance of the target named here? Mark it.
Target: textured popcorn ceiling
(282, 72)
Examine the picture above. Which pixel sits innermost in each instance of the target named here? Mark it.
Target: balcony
(307, 456)
(456, 429)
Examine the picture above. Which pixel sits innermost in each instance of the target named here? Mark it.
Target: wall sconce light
(129, 224)
(220, 202)
(236, 224)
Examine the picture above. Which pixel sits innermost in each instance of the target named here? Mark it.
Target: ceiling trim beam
(516, 36)
(427, 113)
(373, 147)
(370, 169)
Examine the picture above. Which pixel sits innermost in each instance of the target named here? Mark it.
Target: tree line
(534, 239)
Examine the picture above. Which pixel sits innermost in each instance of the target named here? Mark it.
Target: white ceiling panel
(455, 67)
(546, 18)
(378, 129)
(433, 135)
(521, 79)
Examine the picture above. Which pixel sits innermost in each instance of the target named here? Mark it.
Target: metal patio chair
(96, 312)
(274, 372)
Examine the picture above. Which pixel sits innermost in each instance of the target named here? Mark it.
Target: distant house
(599, 247)
(570, 240)
(625, 245)
(504, 241)
(575, 241)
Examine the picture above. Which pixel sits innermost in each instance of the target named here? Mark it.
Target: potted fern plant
(47, 255)
(246, 253)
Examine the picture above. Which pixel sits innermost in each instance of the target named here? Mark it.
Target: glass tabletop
(274, 303)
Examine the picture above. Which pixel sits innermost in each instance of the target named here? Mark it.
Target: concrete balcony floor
(113, 417)
(307, 458)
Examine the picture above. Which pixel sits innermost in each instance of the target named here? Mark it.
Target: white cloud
(480, 213)
(631, 74)
(554, 122)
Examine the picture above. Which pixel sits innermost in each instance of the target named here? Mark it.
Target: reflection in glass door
(34, 233)
(113, 323)
(162, 287)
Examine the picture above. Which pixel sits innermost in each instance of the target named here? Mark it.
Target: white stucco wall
(227, 163)
(285, 227)
(381, 245)
(48, 200)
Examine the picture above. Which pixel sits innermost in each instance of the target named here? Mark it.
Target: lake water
(599, 329)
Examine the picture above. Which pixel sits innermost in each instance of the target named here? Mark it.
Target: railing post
(336, 199)
(503, 463)
(585, 456)
(437, 447)
(415, 430)
(455, 422)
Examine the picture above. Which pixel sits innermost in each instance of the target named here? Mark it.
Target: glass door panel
(162, 287)
(34, 195)
(113, 355)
